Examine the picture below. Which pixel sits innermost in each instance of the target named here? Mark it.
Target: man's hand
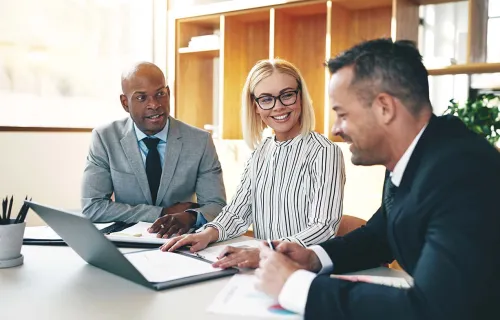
(274, 270)
(179, 207)
(305, 258)
(174, 220)
(241, 257)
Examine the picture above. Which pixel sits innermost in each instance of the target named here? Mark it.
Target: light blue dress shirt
(162, 146)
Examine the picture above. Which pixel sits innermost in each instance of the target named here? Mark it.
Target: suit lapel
(131, 149)
(428, 136)
(172, 152)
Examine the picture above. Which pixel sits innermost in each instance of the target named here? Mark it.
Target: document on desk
(158, 266)
(47, 233)
(138, 233)
(239, 297)
(211, 253)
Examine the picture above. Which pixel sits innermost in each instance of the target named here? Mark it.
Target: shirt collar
(162, 135)
(399, 169)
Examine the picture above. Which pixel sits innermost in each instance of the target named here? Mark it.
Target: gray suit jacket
(114, 165)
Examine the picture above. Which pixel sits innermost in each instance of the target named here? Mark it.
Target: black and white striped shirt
(290, 190)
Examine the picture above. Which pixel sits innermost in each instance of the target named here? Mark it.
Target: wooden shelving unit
(470, 68)
(208, 81)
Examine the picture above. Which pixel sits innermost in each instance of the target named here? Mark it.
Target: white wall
(48, 166)
(44, 165)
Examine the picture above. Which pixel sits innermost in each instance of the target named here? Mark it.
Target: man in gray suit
(152, 163)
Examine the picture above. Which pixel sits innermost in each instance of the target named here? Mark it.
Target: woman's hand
(238, 257)
(198, 241)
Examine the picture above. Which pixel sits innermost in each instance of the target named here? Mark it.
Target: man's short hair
(382, 65)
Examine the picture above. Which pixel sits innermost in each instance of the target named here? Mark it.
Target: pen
(270, 244)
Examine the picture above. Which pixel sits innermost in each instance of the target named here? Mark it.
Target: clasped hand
(276, 267)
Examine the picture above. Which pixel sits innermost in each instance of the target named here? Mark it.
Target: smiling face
(146, 97)
(283, 119)
(356, 122)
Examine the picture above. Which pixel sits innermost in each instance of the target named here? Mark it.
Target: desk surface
(55, 283)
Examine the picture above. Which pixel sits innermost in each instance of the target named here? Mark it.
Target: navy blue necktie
(153, 166)
(389, 192)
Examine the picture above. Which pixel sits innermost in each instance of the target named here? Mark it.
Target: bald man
(151, 163)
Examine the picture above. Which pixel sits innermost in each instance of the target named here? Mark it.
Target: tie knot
(151, 143)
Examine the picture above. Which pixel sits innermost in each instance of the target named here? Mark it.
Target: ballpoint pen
(270, 243)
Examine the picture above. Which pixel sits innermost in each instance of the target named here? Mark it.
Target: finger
(167, 245)
(230, 261)
(164, 226)
(247, 264)
(199, 245)
(265, 252)
(258, 273)
(173, 229)
(184, 241)
(182, 231)
(226, 251)
(220, 262)
(285, 247)
(155, 227)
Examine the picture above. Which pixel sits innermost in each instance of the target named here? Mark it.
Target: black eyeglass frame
(296, 91)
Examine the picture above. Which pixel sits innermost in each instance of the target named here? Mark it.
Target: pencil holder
(11, 241)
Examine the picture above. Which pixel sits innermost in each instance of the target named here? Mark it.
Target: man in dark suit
(440, 213)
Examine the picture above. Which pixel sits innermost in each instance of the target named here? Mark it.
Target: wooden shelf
(208, 81)
(471, 68)
(246, 41)
(426, 2)
(362, 4)
(208, 52)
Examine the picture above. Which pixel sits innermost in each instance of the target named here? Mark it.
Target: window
(61, 60)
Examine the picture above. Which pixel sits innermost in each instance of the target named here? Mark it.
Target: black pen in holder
(5, 217)
(12, 234)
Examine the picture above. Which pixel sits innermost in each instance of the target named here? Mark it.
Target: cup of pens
(11, 234)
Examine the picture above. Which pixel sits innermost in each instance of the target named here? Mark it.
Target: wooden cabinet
(207, 76)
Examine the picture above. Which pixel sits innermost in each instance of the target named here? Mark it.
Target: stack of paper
(137, 233)
(204, 42)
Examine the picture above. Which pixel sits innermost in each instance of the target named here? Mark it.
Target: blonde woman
(292, 186)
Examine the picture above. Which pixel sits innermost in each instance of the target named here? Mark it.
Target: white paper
(138, 233)
(47, 233)
(211, 253)
(158, 266)
(239, 297)
(140, 229)
(396, 282)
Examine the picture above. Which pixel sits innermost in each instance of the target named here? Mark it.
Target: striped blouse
(290, 190)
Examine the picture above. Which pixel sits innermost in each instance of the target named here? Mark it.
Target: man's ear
(124, 102)
(384, 107)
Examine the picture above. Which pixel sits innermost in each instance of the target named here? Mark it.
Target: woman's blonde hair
(252, 124)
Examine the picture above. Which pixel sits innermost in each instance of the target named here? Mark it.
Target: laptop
(91, 245)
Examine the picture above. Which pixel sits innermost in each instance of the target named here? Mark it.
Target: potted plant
(481, 115)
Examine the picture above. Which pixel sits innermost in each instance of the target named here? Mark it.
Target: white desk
(55, 283)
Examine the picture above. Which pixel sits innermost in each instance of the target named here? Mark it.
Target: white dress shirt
(293, 295)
